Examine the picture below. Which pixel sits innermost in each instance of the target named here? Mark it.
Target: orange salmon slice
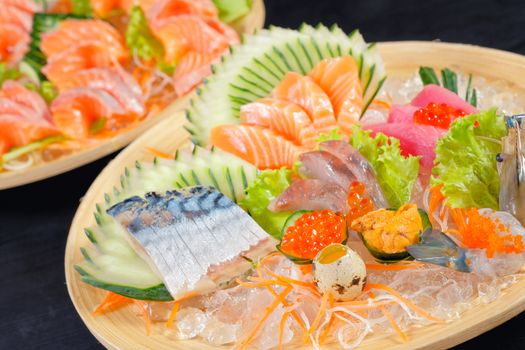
(285, 118)
(73, 32)
(14, 42)
(74, 111)
(259, 146)
(168, 8)
(191, 70)
(304, 92)
(339, 79)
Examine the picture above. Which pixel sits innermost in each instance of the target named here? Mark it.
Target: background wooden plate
(125, 330)
(8, 179)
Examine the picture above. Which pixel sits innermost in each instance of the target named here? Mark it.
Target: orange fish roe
(312, 232)
(478, 231)
(439, 115)
(357, 202)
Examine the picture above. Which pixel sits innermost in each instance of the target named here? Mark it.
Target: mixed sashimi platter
(76, 73)
(321, 202)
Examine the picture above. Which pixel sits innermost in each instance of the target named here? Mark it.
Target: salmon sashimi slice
(30, 6)
(14, 43)
(228, 32)
(28, 99)
(73, 32)
(284, 118)
(304, 92)
(111, 81)
(339, 78)
(60, 66)
(169, 8)
(191, 70)
(102, 8)
(16, 16)
(75, 110)
(184, 33)
(259, 146)
(16, 131)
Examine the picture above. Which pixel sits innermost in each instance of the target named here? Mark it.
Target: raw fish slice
(168, 8)
(29, 6)
(16, 16)
(73, 32)
(16, 92)
(417, 140)
(146, 5)
(437, 94)
(256, 145)
(60, 66)
(181, 34)
(111, 81)
(339, 78)
(75, 110)
(304, 92)
(284, 118)
(14, 43)
(16, 131)
(359, 166)
(402, 114)
(196, 238)
(191, 71)
(325, 166)
(311, 194)
(8, 106)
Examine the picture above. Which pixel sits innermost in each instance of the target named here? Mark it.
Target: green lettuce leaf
(466, 161)
(82, 7)
(395, 173)
(231, 10)
(268, 185)
(8, 73)
(333, 134)
(139, 37)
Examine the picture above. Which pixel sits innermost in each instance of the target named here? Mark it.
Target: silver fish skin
(311, 194)
(512, 170)
(359, 166)
(325, 166)
(196, 239)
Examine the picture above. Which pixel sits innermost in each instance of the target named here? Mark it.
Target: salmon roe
(312, 232)
(439, 115)
(358, 203)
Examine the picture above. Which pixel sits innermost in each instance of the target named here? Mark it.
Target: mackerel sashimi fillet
(195, 238)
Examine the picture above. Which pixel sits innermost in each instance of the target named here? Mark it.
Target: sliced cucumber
(42, 22)
(111, 263)
(252, 70)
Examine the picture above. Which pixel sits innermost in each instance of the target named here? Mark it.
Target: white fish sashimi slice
(195, 239)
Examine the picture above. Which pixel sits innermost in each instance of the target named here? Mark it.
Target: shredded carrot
(158, 153)
(143, 306)
(173, 314)
(393, 267)
(269, 311)
(436, 198)
(281, 329)
(408, 303)
(320, 313)
(111, 302)
(293, 313)
(392, 321)
(381, 104)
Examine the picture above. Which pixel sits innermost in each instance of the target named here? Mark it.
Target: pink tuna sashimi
(437, 94)
(430, 94)
(418, 140)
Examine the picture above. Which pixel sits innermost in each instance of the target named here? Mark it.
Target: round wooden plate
(123, 329)
(8, 179)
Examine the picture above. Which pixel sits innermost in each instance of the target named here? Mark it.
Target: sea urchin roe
(357, 202)
(439, 115)
(481, 232)
(312, 232)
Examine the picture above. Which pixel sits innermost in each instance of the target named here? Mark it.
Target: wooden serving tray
(123, 329)
(8, 179)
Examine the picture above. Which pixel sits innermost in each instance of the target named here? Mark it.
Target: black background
(35, 309)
